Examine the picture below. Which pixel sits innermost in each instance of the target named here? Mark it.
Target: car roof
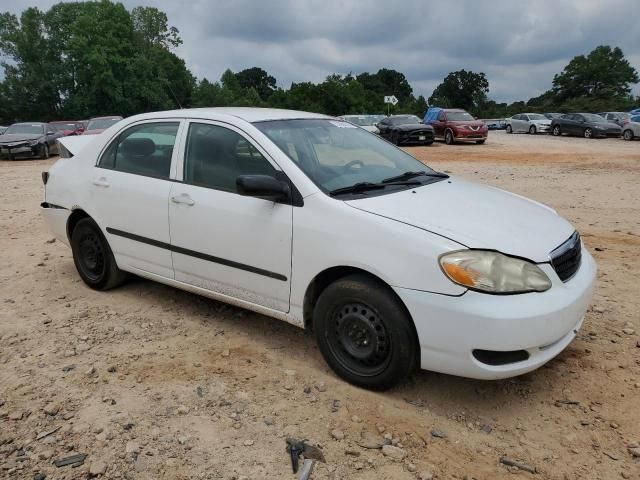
(29, 123)
(454, 110)
(109, 117)
(248, 114)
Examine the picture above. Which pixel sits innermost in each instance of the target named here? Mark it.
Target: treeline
(78, 60)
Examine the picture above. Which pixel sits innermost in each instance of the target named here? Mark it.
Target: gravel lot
(152, 382)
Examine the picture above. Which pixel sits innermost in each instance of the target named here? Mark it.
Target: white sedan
(528, 123)
(314, 221)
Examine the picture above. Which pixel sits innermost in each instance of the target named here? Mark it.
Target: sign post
(390, 100)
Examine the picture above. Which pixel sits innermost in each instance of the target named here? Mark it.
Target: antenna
(173, 94)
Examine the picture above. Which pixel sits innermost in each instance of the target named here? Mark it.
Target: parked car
(528, 122)
(454, 125)
(3, 129)
(68, 127)
(320, 224)
(552, 115)
(368, 122)
(631, 129)
(635, 111)
(587, 125)
(29, 140)
(619, 118)
(100, 124)
(495, 123)
(405, 129)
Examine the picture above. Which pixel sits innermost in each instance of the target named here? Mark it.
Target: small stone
(183, 410)
(225, 353)
(358, 465)
(197, 364)
(132, 447)
(634, 451)
(628, 331)
(321, 387)
(486, 428)
(425, 476)
(396, 453)
(97, 468)
(337, 434)
(111, 369)
(438, 433)
(411, 467)
(90, 371)
(52, 409)
(182, 439)
(614, 425)
(307, 389)
(15, 415)
(269, 421)
(247, 443)
(353, 453)
(51, 240)
(356, 419)
(39, 476)
(370, 440)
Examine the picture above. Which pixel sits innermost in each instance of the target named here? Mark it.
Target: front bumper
(542, 324)
(470, 135)
(25, 150)
(419, 136)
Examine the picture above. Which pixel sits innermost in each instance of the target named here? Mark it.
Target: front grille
(566, 258)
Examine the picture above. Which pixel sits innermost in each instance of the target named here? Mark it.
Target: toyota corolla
(314, 221)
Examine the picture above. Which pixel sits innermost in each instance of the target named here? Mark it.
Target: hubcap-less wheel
(532, 129)
(556, 131)
(448, 138)
(91, 256)
(359, 339)
(588, 133)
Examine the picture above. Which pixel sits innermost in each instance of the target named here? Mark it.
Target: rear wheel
(448, 137)
(532, 130)
(588, 133)
(508, 129)
(627, 135)
(365, 333)
(556, 131)
(93, 258)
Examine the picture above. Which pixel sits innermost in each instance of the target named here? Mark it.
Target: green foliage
(461, 89)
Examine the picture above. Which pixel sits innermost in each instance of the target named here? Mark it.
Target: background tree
(461, 89)
(258, 79)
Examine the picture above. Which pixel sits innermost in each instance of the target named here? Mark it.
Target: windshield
(592, 117)
(362, 121)
(537, 116)
(25, 128)
(460, 117)
(64, 126)
(102, 123)
(408, 120)
(336, 154)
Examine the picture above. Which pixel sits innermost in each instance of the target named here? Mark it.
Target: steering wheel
(353, 163)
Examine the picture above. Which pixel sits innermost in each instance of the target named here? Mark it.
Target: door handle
(184, 199)
(101, 182)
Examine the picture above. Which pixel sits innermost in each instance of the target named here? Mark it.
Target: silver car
(631, 129)
(528, 123)
(619, 118)
(368, 122)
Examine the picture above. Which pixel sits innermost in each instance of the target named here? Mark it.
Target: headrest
(138, 147)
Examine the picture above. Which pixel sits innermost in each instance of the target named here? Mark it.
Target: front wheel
(532, 130)
(509, 129)
(93, 257)
(627, 135)
(588, 133)
(364, 332)
(45, 152)
(556, 131)
(448, 137)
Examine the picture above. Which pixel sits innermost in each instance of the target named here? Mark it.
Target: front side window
(216, 156)
(144, 149)
(336, 154)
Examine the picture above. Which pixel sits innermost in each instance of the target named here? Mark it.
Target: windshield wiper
(362, 187)
(410, 174)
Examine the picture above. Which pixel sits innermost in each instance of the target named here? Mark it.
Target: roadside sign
(390, 99)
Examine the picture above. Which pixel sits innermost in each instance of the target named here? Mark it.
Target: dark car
(3, 129)
(68, 127)
(100, 124)
(619, 118)
(31, 139)
(405, 129)
(587, 125)
(456, 125)
(552, 115)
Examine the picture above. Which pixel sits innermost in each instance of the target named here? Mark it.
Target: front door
(221, 241)
(130, 189)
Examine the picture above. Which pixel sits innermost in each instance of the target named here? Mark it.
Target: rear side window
(216, 156)
(144, 149)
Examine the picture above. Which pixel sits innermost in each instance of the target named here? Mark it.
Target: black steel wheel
(364, 332)
(93, 258)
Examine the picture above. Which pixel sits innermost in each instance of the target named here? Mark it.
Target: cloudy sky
(519, 45)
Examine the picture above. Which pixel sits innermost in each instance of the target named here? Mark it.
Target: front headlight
(493, 272)
(33, 143)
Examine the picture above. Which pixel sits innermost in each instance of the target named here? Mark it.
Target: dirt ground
(151, 382)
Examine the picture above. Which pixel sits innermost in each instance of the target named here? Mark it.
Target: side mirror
(50, 132)
(263, 186)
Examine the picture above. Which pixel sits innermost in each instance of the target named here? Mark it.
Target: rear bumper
(56, 218)
(540, 324)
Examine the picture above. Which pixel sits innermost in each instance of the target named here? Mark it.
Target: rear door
(130, 189)
(440, 124)
(230, 244)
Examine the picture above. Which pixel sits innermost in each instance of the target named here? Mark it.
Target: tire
(45, 152)
(365, 333)
(556, 131)
(627, 135)
(93, 257)
(448, 137)
(394, 138)
(532, 130)
(588, 133)
(509, 129)
(480, 142)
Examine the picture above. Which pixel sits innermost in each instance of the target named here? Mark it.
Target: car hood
(475, 216)
(19, 137)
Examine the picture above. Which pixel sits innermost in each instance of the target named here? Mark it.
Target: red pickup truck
(455, 125)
